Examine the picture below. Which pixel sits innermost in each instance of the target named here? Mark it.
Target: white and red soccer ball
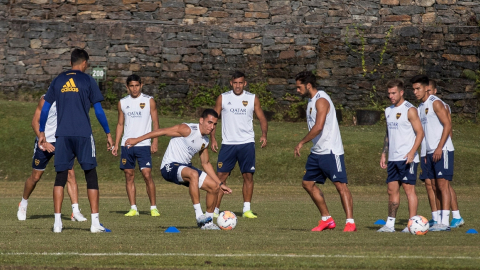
(418, 225)
(227, 220)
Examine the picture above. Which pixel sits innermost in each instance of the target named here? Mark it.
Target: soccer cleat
(440, 228)
(22, 212)
(385, 228)
(154, 212)
(322, 225)
(215, 215)
(132, 213)
(101, 229)
(210, 226)
(456, 222)
(406, 230)
(77, 216)
(57, 229)
(350, 227)
(249, 214)
(202, 220)
(431, 222)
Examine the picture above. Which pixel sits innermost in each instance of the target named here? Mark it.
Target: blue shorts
(230, 154)
(402, 172)
(172, 173)
(423, 167)
(320, 167)
(69, 147)
(141, 154)
(41, 158)
(442, 168)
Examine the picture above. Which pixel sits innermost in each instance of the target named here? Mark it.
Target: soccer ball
(227, 220)
(418, 225)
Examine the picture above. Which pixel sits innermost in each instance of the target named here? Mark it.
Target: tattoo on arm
(392, 209)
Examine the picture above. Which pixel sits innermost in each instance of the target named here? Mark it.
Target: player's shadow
(124, 212)
(178, 227)
(44, 217)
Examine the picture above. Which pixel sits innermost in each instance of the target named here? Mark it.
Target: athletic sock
(435, 216)
(456, 214)
(75, 208)
(439, 216)
(390, 222)
(446, 217)
(153, 207)
(95, 220)
(209, 214)
(350, 220)
(58, 220)
(198, 210)
(216, 211)
(134, 207)
(246, 207)
(24, 202)
(325, 218)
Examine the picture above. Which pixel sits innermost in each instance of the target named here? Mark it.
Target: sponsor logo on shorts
(37, 162)
(168, 168)
(142, 105)
(405, 178)
(124, 161)
(398, 115)
(245, 103)
(440, 173)
(220, 164)
(426, 110)
(69, 86)
(252, 168)
(148, 164)
(334, 177)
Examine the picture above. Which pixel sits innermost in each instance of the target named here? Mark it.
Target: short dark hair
(237, 74)
(134, 78)
(433, 83)
(78, 56)
(421, 79)
(396, 83)
(307, 77)
(208, 112)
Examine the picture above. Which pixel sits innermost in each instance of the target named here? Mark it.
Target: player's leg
(412, 199)
(247, 191)
(222, 176)
(457, 220)
(227, 158)
(246, 162)
(443, 170)
(144, 158)
(432, 200)
(444, 196)
(346, 198)
(72, 190)
(212, 188)
(58, 191)
(131, 192)
(393, 191)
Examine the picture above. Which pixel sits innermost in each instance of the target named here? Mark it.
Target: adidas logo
(128, 107)
(440, 173)
(69, 86)
(148, 164)
(405, 178)
(334, 177)
(252, 168)
(193, 141)
(229, 103)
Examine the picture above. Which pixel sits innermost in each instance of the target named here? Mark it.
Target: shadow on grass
(46, 217)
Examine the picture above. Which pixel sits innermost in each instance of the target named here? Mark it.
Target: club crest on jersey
(220, 164)
(142, 105)
(124, 161)
(398, 115)
(203, 146)
(37, 162)
(311, 111)
(426, 110)
(245, 103)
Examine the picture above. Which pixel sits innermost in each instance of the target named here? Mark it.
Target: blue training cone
(472, 231)
(172, 230)
(379, 222)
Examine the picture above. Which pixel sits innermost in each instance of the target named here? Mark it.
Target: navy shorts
(230, 154)
(442, 168)
(400, 171)
(321, 167)
(69, 147)
(424, 170)
(172, 173)
(41, 158)
(141, 154)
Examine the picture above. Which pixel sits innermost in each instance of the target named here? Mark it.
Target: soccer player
(136, 112)
(41, 157)
(439, 147)
(402, 139)
(187, 140)
(74, 92)
(326, 157)
(236, 108)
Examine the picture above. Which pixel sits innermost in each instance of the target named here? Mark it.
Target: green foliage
(204, 96)
(474, 76)
(110, 96)
(265, 97)
(297, 104)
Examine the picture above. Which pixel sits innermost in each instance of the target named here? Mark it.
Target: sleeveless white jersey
(182, 149)
(423, 151)
(329, 139)
(137, 118)
(237, 118)
(401, 136)
(51, 125)
(432, 126)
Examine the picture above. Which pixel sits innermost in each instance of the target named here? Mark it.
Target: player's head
(395, 90)
(238, 82)
(208, 121)
(134, 85)
(420, 84)
(79, 59)
(432, 87)
(306, 82)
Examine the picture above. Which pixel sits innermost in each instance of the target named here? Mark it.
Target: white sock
(198, 210)
(390, 222)
(324, 218)
(75, 208)
(95, 220)
(435, 216)
(456, 214)
(350, 220)
(153, 207)
(446, 217)
(134, 207)
(24, 202)
(246, 207)
(58, 220)
(209, 214)
(216, 211)
(439, 216)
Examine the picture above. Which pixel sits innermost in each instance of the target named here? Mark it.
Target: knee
(308, 186)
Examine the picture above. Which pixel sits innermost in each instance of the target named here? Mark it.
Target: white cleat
(406, 230)
(386, 229)
(77, 216)
(57, 229)
(210, 226)
(99, 229)
(22, 212)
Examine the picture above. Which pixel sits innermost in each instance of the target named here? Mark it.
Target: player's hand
(383, 161)
(225, 189)
(41, 140)
(110, 146)
(131, 142)
(214, 146)
(48, 147)
(410, 156)
(437, 155)
(263, 140)
(154, 148)
(297, 149)
(115, 150)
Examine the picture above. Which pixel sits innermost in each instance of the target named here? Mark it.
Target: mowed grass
(279, 238)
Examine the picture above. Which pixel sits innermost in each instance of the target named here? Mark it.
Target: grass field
(279, 239)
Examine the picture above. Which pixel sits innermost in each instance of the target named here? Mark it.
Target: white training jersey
(182, 149)
(401, 136)
(51, 125)
(432, 126)
(329, 139)
(137, 118)
(237, 118)
(423, 151)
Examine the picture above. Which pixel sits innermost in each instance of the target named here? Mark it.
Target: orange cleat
(322, 225)
(350, 227)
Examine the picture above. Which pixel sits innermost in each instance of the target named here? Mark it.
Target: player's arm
(218, 109)
(119, 130)
(383, 158)
(442, 115)
(43, 121)
(450, 119)
(417, 127)
(36, 126)
(102, 119)
(208, 168)
(154, 115)
(263, 121)
(182, 130)
(322, 107)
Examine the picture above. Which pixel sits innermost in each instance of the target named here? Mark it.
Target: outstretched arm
(263, 121)
(182, 130)
(322, 107)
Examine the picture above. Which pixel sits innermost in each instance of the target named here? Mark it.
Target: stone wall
(188, 43)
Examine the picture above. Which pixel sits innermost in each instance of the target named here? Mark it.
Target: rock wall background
(188, 43)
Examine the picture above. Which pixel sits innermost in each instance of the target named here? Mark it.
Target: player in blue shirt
(74, 92)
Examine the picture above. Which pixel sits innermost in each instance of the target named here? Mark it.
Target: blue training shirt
(74, 92)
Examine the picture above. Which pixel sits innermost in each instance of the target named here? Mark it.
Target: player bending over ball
(187, 140)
